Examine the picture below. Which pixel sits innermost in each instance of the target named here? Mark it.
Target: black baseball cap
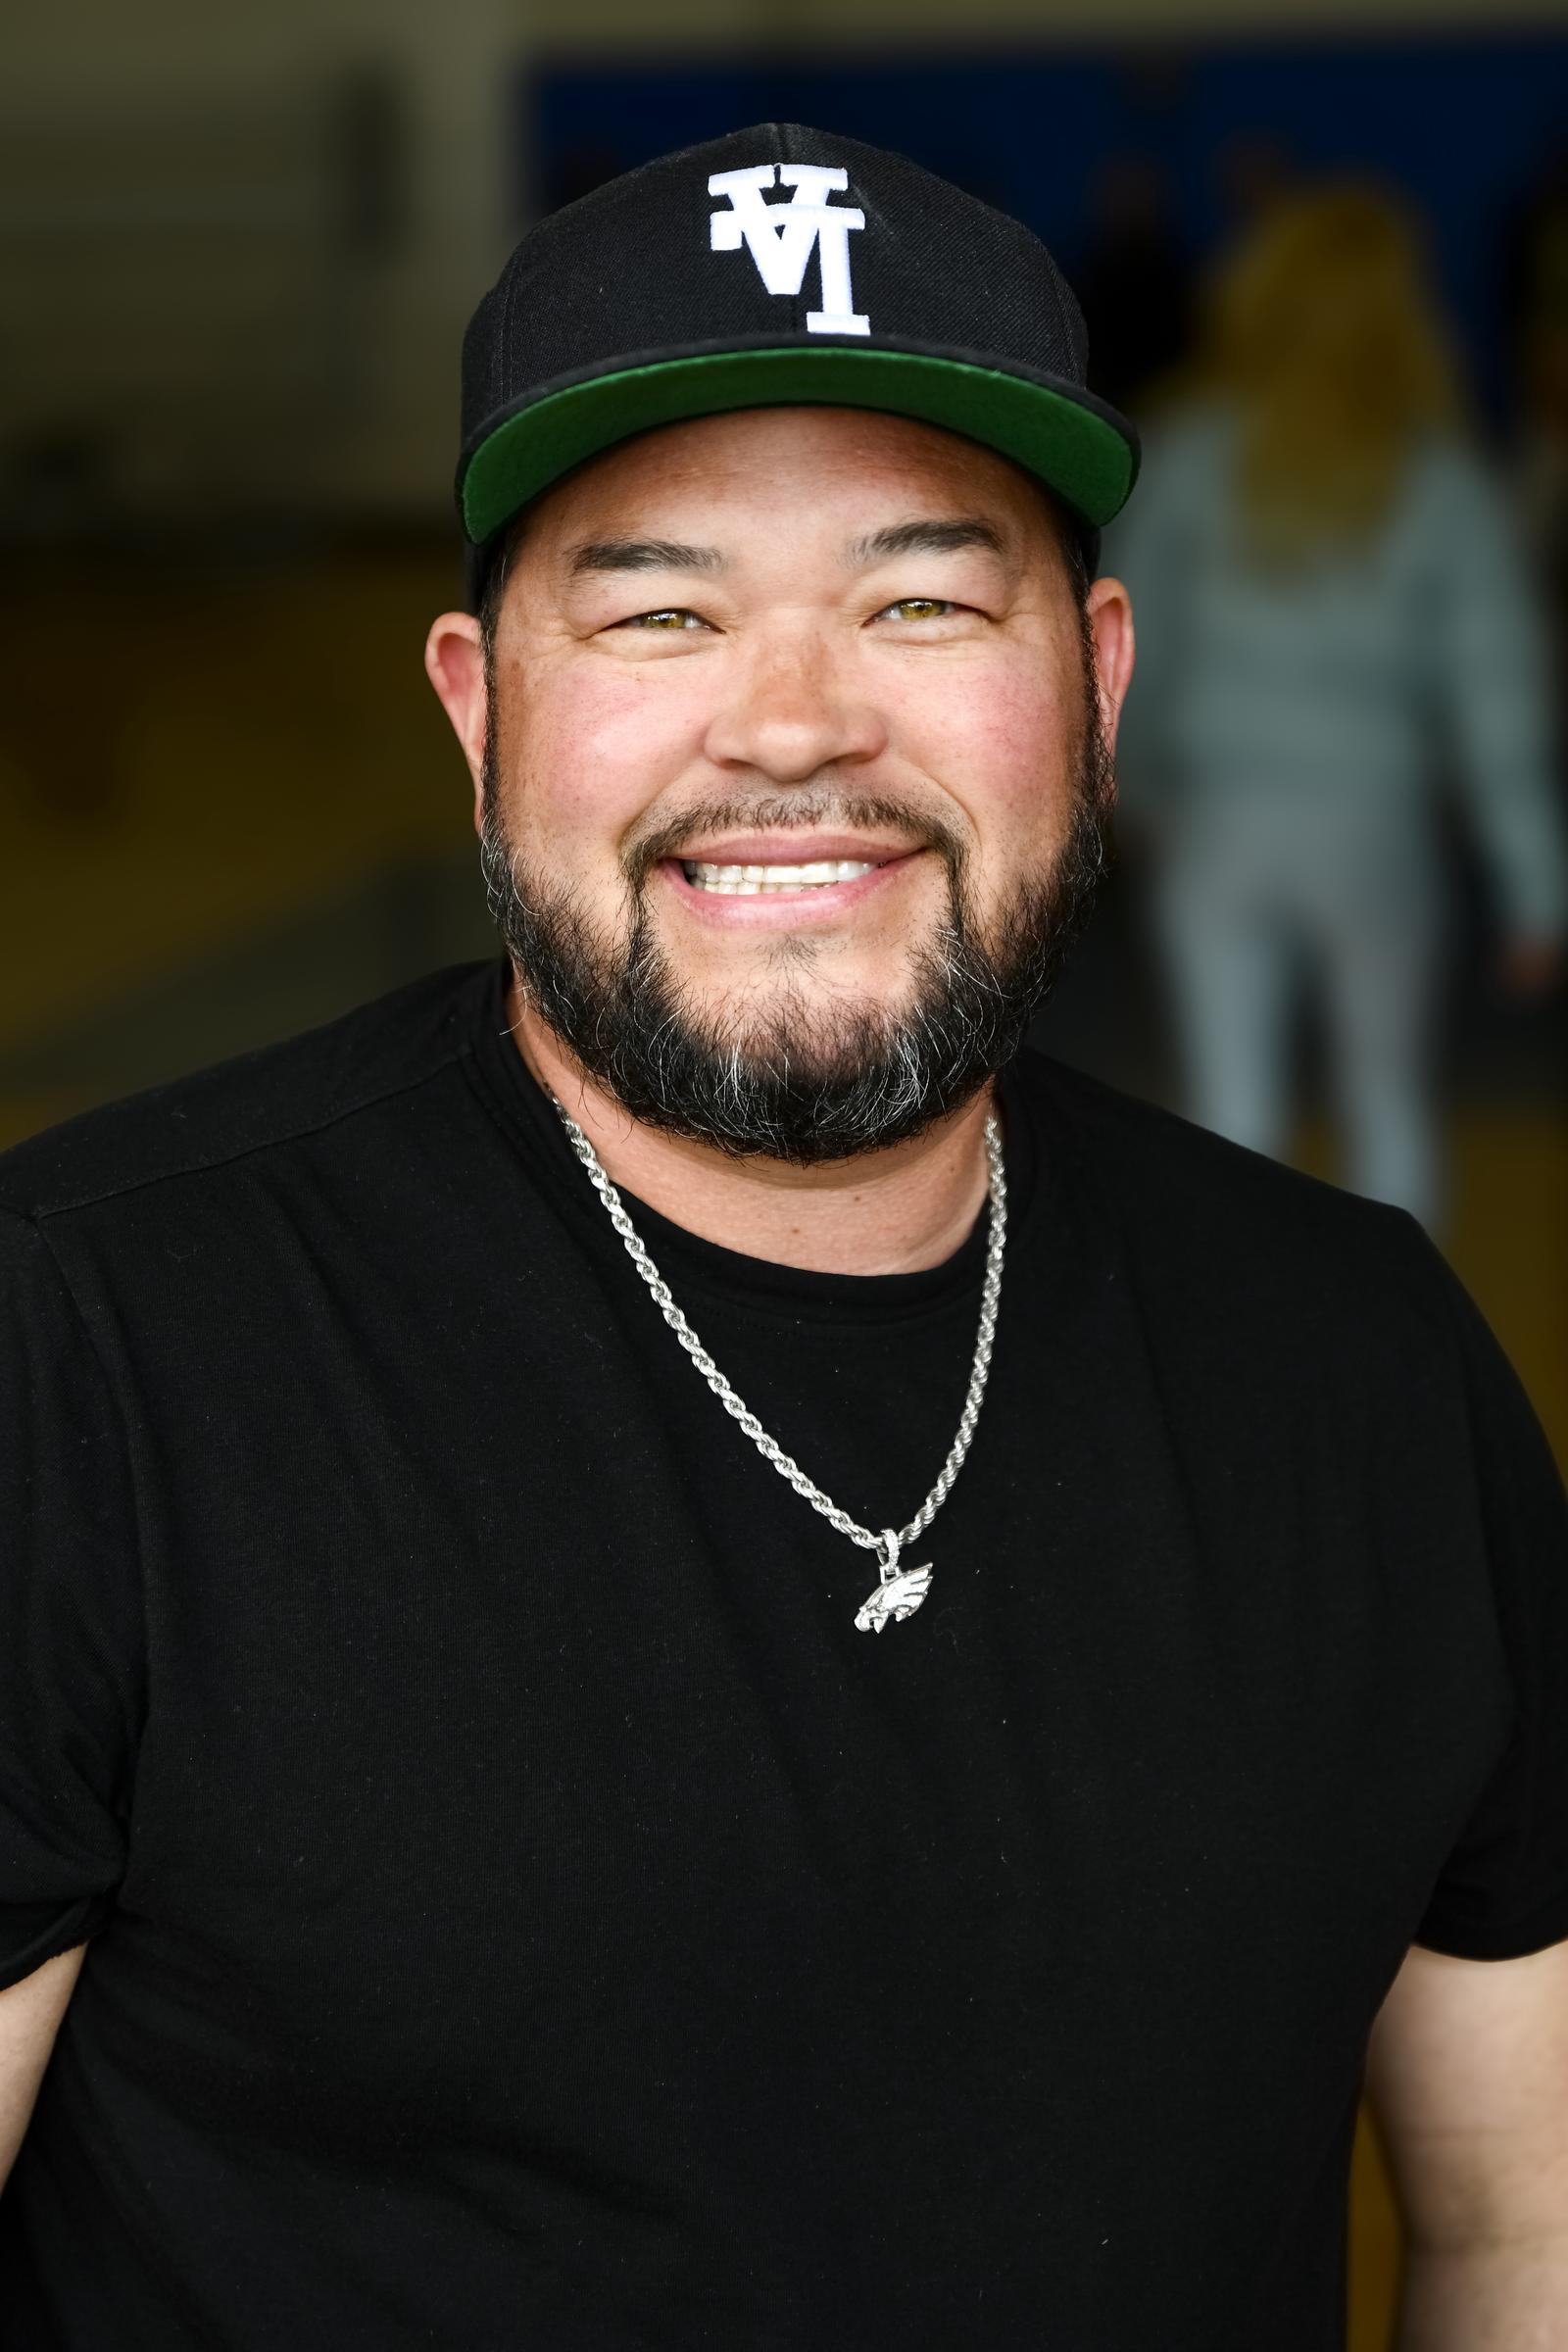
(778, 267)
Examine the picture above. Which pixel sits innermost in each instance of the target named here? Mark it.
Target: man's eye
(920, 608)
(674, 617)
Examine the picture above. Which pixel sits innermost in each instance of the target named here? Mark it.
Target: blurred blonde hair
(1321, 330)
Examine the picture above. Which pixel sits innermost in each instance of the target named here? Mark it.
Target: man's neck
(891, 1211)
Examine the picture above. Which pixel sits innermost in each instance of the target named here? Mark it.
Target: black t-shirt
(526, 1912)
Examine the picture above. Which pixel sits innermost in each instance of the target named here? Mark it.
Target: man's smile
(747, 881)
(774, 879)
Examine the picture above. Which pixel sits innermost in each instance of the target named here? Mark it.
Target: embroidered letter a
(780, 237)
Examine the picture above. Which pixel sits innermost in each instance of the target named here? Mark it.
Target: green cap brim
(1079, 454)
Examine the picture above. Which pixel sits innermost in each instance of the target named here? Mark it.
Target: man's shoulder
(1199, 1215)
(251, 1102)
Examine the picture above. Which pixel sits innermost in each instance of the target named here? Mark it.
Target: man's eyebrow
(642, 555)
(927, 537)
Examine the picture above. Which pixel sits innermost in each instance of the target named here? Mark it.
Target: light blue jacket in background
(1327, 705)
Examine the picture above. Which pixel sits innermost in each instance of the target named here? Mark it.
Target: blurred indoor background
(1325, 262)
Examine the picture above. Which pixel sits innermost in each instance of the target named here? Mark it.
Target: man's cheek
(989, 753)
(596, 758)
(1024, 730)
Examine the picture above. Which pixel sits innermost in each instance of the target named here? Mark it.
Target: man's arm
(1468, 2077)
(30, 2019)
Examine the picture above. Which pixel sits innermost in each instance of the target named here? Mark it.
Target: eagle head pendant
(898, 1594)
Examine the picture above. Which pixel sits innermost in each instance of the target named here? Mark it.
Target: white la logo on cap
(782, 236)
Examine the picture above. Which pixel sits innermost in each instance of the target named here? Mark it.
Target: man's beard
(796, 1079)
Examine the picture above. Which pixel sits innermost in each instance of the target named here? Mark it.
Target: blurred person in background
(1334, 617)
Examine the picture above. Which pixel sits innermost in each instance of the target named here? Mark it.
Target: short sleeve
(71, 1620)
(1503, 1889)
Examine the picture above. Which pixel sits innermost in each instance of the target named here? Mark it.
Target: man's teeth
(748, 881)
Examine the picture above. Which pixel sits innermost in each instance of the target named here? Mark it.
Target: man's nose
(795, 710)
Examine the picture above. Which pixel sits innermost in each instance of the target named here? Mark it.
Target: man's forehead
(865, 471)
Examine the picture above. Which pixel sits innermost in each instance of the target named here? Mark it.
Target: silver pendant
(898, 1593)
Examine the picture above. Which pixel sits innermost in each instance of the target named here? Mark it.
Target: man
(896, 1831)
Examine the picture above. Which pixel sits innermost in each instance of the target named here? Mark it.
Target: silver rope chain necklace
(900, 1591)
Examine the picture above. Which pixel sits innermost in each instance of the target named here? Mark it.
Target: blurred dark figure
(1135, 282)
(1535, 280)
(1332, 615)
(1252, 172)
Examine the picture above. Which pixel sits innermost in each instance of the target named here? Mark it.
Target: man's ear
(1111, 626)
(453, 664)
